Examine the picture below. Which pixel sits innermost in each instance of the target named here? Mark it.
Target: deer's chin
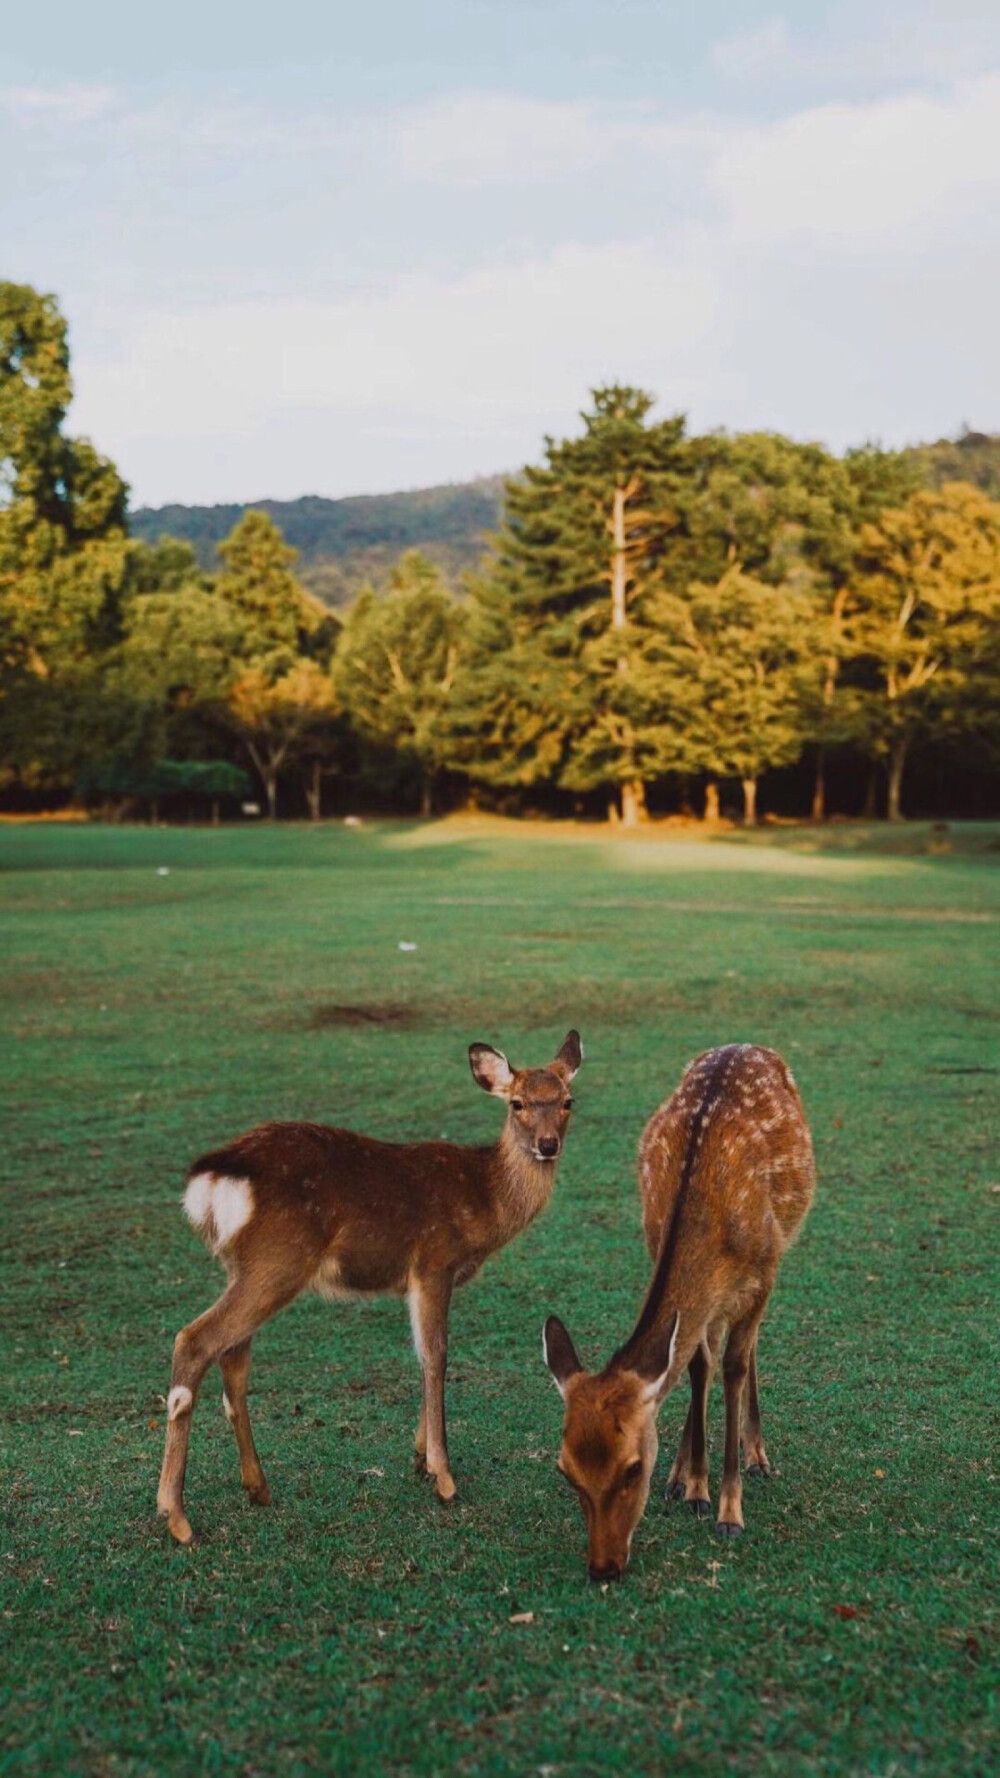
(546, 1160)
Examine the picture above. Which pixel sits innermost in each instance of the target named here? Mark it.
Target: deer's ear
(559, 1353)
(491, 1069)
(570, 1055)
(658, 1358)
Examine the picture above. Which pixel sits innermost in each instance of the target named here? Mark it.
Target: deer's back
(359, 1212)
(733, 1137)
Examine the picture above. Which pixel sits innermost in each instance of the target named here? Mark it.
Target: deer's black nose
(548, 1146)
(610, 1571)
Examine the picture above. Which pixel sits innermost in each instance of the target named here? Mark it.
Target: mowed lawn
(357, 1626)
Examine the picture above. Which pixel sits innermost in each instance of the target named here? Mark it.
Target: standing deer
(726, 1175)
(295, 1206)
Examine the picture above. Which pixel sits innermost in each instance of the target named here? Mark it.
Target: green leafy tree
(920, 627)
(575, 563)
(275, 714)
(281, 700)
(63, 550)
(167, 682)
(787, 513)
(396, 665)
(276, 615)
(741, 659)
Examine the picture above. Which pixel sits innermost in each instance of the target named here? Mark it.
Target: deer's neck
(521, 1185)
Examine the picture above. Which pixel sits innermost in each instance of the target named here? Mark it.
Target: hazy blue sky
(336, 249)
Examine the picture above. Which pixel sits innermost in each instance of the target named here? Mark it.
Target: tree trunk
(314, 791)
(749, 802)
(711, 801)
(869, 811)
(897, 762)
(215, 813)
(819, 787)
(270, 778)
(633, 792)
(619, 567)
(427, 796)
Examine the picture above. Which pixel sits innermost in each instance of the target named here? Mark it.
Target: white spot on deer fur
(227, 1408)
(218, 1207)
(413, 1303)
(652, 1390)
(179, 1401)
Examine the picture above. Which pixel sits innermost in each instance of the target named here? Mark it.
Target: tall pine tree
(552, 690)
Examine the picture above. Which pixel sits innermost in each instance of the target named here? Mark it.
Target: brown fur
(324, 1208)
(726, 1176)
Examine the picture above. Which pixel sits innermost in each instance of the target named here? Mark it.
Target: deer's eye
(517, 1105)
(633, 1472)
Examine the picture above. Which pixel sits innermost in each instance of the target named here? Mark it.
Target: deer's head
(538, 1099)
(609, 1441)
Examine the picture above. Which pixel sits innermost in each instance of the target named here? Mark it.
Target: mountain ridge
(344, 542)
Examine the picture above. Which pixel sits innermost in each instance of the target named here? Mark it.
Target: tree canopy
(657, 612)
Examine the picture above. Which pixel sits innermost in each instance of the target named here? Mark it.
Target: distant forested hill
(344, 542)
(972, 457)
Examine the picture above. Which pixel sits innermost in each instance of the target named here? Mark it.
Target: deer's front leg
(735, 1367)
(430, 1299)
(688, 1479)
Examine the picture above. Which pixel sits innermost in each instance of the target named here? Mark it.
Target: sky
(340, 249)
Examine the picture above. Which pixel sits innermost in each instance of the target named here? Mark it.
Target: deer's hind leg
(754, 1451)
(235, 1368)
(229, 1324)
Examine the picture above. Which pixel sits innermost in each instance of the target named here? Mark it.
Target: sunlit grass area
(164, 989)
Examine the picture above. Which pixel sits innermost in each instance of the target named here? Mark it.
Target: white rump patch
(218, 1207)
(179, 1401)
(198, 1199)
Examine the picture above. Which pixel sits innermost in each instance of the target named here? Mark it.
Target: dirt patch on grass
(730, 998)
(391, 1013)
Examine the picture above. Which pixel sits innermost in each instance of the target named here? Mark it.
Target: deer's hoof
(675, 1490)
(445, 1490)
(758, 1471)
(180, 1529)
(726, 1528)
(260, 1495)
(702, 1509)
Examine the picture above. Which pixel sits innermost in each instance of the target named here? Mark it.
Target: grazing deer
(726, 1176)
(291, 1206)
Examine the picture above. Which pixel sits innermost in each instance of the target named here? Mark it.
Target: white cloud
(838, 281)
(754, 52)
(855, 170)
(68, 105)
(486, 354)
(484, 138)
(862, 49)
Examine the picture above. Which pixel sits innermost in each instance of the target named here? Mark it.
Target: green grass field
(357, 1626)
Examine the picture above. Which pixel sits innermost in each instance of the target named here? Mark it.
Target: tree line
(661, 617)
